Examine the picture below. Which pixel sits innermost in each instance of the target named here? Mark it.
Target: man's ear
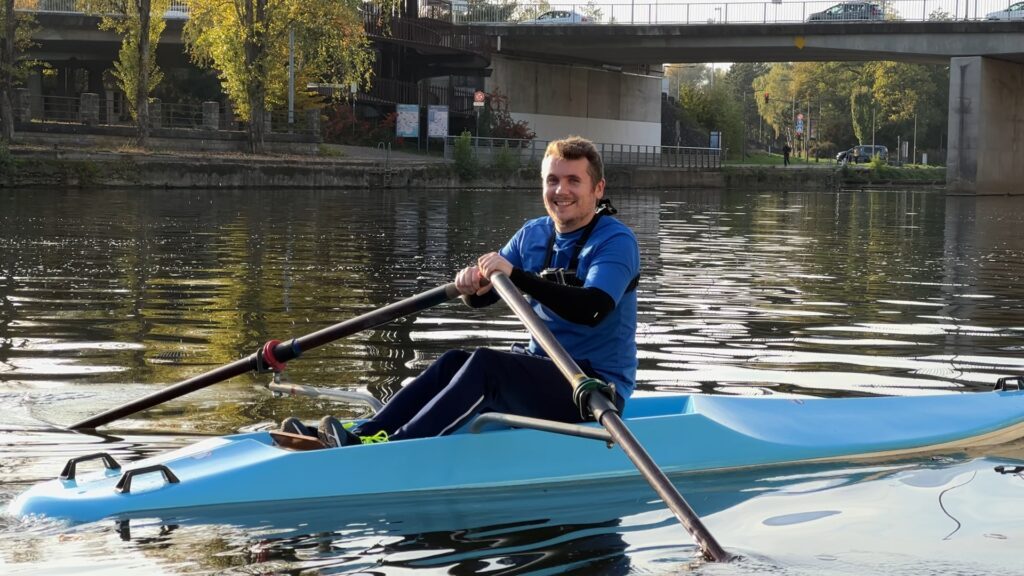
(599, 189)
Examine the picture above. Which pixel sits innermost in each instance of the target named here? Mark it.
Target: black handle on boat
(608, 417)
(283, 352)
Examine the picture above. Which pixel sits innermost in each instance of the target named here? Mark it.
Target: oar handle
(283, 352)
(608, 417)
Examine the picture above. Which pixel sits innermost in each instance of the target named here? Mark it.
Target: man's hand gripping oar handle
(280, 353)
(607, 415)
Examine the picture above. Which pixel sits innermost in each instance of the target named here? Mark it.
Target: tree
(139, 23)
(247, 41)
(715, 108)
(15, 37)
(7, 73)
(778, 111)
(864, 113)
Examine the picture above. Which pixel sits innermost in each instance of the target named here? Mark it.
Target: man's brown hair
(574, 148)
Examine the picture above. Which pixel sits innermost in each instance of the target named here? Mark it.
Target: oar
(607, 415)
(282, 352)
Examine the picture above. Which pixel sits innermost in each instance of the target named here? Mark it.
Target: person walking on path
(785, 154)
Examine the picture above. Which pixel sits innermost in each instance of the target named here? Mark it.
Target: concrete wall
(986, 126)
(558, 100)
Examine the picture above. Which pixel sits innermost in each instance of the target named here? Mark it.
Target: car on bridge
(1012, 12)
(848, 11)
(558, 17)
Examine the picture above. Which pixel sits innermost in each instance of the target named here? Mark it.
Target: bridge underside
(919, 42)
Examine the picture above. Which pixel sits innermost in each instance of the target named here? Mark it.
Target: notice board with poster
(407, 124)
(437, 121)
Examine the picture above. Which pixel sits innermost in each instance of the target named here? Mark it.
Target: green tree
(715, 108)
(778, 110)
(15, 37)
(864, 113)
(247, 41)
(139, 23)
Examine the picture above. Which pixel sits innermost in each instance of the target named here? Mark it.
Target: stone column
(986, 126)
(156, 113)
(109, 107)
(89, 108)
(35, 87)
(313, 120)
(211, 115)
(22, 105)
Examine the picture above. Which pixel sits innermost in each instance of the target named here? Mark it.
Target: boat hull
(683, 434)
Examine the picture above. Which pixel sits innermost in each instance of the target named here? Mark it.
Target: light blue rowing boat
(683, 433)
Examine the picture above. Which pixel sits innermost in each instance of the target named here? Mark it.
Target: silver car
(1012, 12)
(849, 11)
(558, 17)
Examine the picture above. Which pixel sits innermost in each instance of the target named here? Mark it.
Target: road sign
(478, 98)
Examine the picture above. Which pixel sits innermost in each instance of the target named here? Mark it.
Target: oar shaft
(712, 550)
(282, 352)
(609, 418)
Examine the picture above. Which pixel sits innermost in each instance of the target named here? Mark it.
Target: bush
(465, 163)
(342, 127)
(505, 162)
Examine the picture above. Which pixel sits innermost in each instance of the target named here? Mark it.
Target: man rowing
(580, 268)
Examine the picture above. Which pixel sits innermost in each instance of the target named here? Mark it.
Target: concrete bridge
(986, 58)
(603, 78)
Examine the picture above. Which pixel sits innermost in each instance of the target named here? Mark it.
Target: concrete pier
(986, 126)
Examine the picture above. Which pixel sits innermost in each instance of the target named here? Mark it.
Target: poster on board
(437, 121)
(407, 125)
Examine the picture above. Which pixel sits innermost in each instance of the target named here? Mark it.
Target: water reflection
(108, 295)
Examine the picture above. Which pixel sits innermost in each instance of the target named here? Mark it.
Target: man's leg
(492, 381)
(416, 394)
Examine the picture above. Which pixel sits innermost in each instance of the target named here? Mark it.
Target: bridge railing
(718, 12)
(177, 11)
(527, 152)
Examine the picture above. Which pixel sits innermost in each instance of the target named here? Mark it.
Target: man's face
(570, 194)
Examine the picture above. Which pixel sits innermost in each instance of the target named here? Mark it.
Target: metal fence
(718, 12)
(638, 13)
(164, 115)
(177, 11)
(528, 152)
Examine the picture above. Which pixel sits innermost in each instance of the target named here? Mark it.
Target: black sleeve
(474, 301)
(587, 306)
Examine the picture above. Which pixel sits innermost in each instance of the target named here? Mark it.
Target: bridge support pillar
(986, 126)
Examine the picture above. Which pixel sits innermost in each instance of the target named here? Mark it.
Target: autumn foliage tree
(139, 23)
(15, 37)
(247, 42)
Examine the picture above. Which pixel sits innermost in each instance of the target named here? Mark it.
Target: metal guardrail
(719, 12)
(527, 152)
(177, 11)
(631, 13)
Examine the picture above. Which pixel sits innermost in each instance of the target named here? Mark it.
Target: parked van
(865, 153)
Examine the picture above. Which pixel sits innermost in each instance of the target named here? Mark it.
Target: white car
(558, 17)
(1013, 12)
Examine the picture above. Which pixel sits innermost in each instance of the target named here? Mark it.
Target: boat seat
(296, 442)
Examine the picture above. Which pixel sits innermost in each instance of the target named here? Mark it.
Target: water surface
(108, 295)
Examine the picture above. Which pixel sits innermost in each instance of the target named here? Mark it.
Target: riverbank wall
(46, 168)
